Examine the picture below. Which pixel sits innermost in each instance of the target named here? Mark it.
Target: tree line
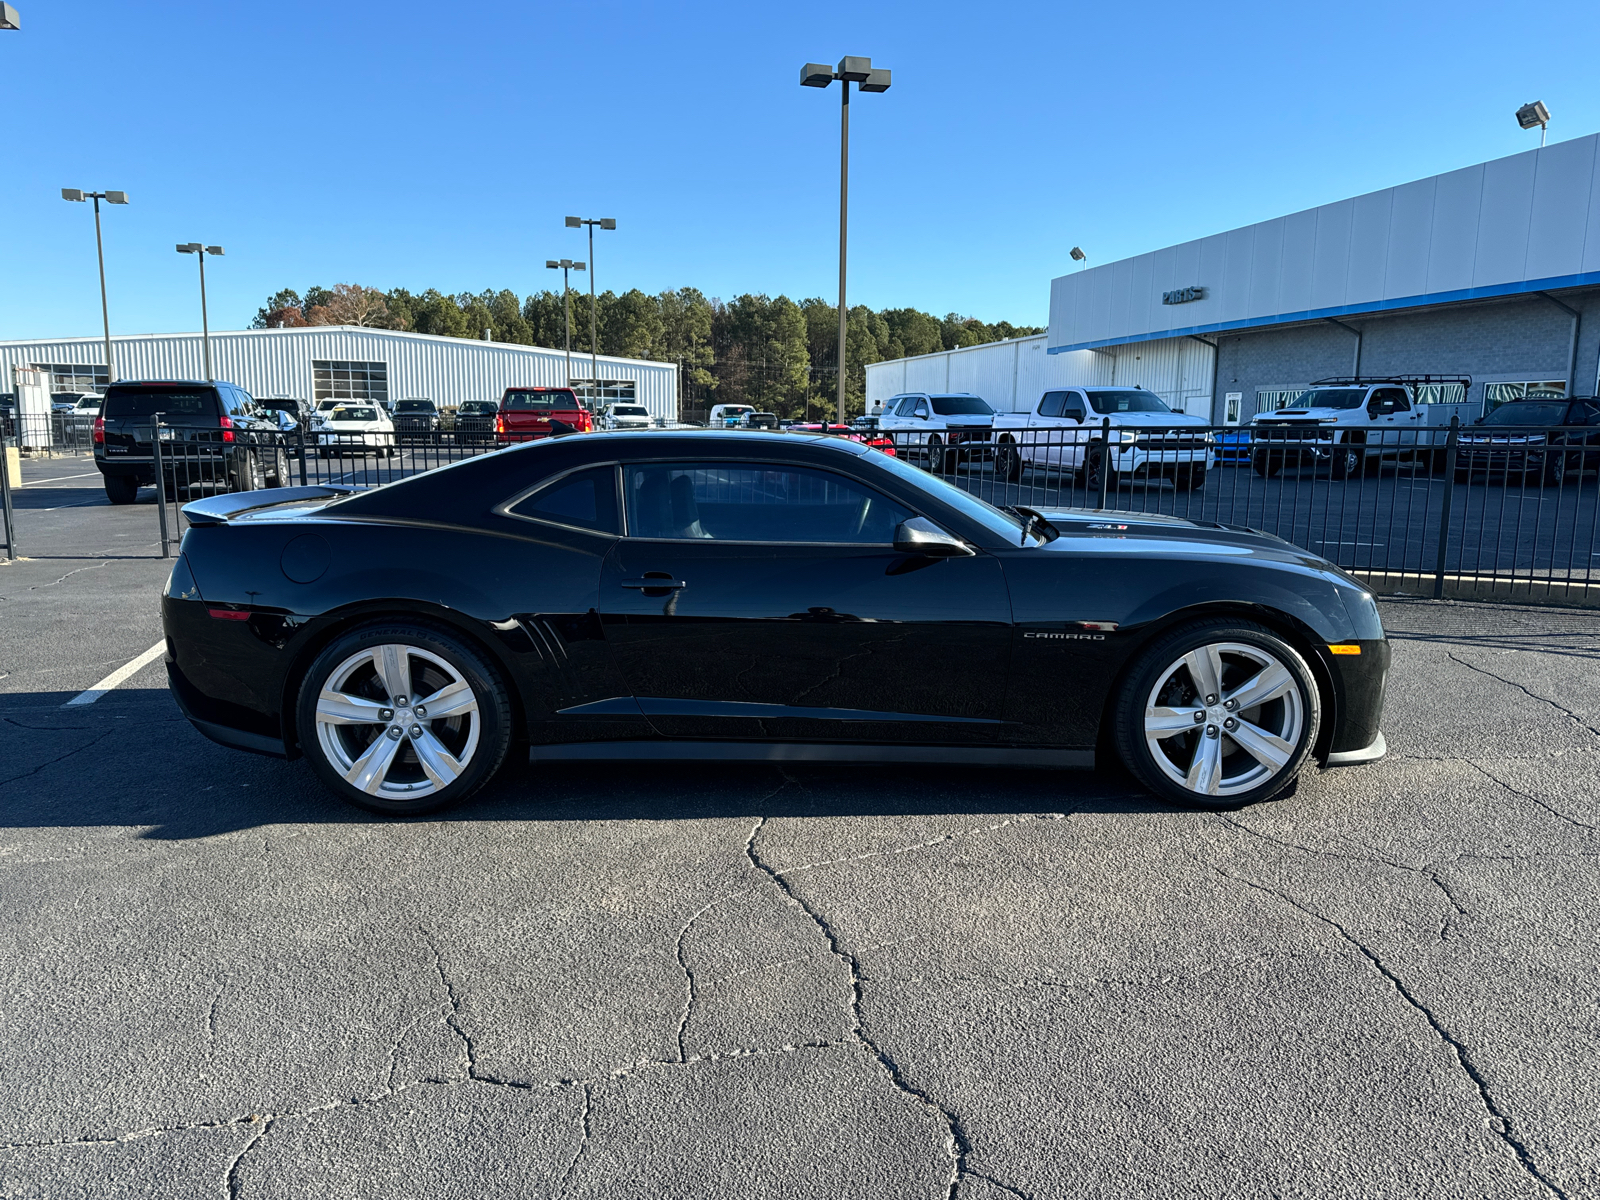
(771, 352)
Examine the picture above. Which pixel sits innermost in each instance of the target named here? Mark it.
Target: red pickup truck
(526, 412)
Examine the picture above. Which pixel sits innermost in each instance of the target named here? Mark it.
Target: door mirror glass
(921, 536)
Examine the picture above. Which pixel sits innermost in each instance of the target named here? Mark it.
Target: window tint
(961, 406)
(1052, 404)
(1391, 399)
(587, 499)
(1072, 406)
(747, 502)
(143, 401)
(921, 410)
(1129, 401)
(907, 407)
(561, 399)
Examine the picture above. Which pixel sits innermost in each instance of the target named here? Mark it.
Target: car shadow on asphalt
(131, 760)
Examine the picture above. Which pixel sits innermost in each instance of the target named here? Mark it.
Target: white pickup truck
(1353, 425)
(942, 427)
(1066, 431)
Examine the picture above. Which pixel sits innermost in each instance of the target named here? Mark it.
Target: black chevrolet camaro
(696, 595)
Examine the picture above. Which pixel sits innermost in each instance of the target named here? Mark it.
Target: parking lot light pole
(566, 265)
(79, 196)
(205, 322)
(1533, 114)
(594, 341)
(860, 72)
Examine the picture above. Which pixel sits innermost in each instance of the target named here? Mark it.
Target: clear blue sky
(418, 145)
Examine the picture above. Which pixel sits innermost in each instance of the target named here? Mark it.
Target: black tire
(278, 474)
(938, 457)
(1008, 461)
(1189, 479)
(1349, 461)
(121, 489)
(1152, 667)
(1555, 470)
(1463, 475)
(1095, 464)
(1266, 464)
(248, 475)
(487, 748)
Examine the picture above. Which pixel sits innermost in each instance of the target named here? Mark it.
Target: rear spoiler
(219, 510)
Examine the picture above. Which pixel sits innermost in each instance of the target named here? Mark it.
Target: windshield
(1121, 402)
(631, 410)
(1528, 413)
(1332, 398)
(556, 399)
(478, 407)
(1003, 524)
(961, 406)
(145, 401)
(413, 406)
(354, 414)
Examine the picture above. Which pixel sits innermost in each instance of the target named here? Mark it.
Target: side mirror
(921, 536)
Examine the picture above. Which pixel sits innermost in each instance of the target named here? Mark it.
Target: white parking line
(55, 478)
(118, 677)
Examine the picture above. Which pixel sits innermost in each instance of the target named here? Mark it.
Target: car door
(1390, 415)
(1044, 430)
(1072, 438)
(765, 601)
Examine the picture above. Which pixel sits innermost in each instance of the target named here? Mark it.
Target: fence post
(300, 438)
(1105, 460)
(161, 479)
(1444, 512)
(5, 494)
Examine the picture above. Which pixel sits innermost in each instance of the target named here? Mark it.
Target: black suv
(416, 415)
(215, 434)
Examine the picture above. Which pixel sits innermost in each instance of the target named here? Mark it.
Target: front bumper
(1136, 459)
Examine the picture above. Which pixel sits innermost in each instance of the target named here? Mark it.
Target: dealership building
(1491, 271)
(343, 362)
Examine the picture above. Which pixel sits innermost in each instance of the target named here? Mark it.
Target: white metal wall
(1516, 224)
(1012, 375)
(267, 362)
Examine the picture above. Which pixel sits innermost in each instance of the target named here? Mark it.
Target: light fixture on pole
(1533, 114)
(860, 72)
(1078, 256)
(9, 18)
(79, 196)
(594, 344)
(566, 265)
(205, 323)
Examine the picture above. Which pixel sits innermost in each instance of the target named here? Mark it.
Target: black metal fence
(1474, 510)
(1481, 510)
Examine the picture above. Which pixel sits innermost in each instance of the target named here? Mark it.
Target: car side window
(1389, 400)
(907, 407)
(584, 500)
(1052, 404)
(921, 409)
(756, 502)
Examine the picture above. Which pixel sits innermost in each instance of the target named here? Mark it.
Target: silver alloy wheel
(1224, 719)
(384, 737)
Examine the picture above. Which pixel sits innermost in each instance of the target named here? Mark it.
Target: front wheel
(403, 719)
(1008, 461)
(1218, 714)
(1555, 470)
(1098, 464)
(1266, 464)
(939, 460)
(1347, 462)
(1189, 479)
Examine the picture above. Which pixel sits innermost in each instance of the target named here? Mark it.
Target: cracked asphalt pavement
(682, 981)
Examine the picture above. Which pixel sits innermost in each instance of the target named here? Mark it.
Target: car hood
(1303, 414)
(1089, 530)
(1142, 420)
(355, 426)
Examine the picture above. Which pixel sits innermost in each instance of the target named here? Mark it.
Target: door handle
(665, 584)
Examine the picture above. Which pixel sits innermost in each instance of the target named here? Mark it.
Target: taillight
(99, 431)
(499, 422)
(227, 614)
(585, 421)
(227, 429)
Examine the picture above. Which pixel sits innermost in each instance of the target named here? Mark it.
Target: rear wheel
(248, 473)
(279, 473)
(1218, 714)
(403, 719)
(121, 489)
